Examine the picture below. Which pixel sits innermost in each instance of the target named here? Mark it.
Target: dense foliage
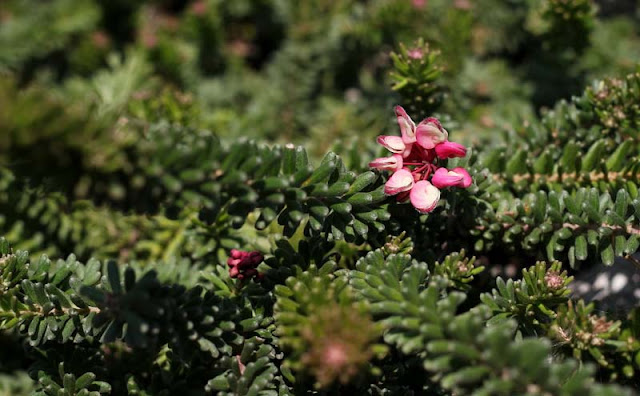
(187, 207)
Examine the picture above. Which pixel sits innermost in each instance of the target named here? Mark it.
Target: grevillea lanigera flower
(243, 265)
(415, 159)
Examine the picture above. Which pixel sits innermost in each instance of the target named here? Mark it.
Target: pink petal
(450, 150)
(392, 163)
(446, 178)
(400, 181)
(409, 151)
(392, 143)
(428, 134)
(407, 126)
(424, 196)
(466, 178)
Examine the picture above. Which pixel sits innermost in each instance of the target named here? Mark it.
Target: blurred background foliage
(311, 71)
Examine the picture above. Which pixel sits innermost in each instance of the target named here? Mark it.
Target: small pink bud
(392, 143)
(236, 254)
(392, 163)
(462, 4)
(554, 280)
(336, 355)
(418, 4)
(400, 181)
(407, 126)
(241, 366)
(149, 39)
(446, 178)
(424, 196)
(429, 133)
(450, 150)
(243, 264)
(100, 39)
(199, 7)
(466, 178)
(415, 53)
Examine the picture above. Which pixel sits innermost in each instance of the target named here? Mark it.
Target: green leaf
(113, 275)
(338, 189)
(41, 296)
(69, 383)
(617, 160)
(301, 157)
(360, 228)
(592, 212)
(302, 174)
(632, 244)
(593, 156)
(569, 156)
(322, 173)
(540, 206)
(622, 203)
(361, 198)
(464, 376)
(619, 245)
(343, 208)
(29, 290)
(518, 163)
(607, 255)
(581, 247)
(544, 164)
(565, 233)
(68, 330)
(363, 181)
(274, 183)
(289, 159)
(219, 383)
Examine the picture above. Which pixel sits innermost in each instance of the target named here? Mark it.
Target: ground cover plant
(274, 197)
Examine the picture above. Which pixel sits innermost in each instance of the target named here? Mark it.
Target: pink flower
(409, 151)
(466, 177)
(394, 144)
(242, 264)
(415, 53)
(446, 150)
(407, 126)
(400, 181)
(417, 174)
(199, 7)
(429, 133)
(392, 163)
(419, 3)
(458, 177)
(462, 4)
(424, 196)
(100, 39)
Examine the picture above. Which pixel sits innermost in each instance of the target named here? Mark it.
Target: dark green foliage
(56, 304)
(533, 299)
(144, 140)
(463, 354)
(575, 206)
(415, 75)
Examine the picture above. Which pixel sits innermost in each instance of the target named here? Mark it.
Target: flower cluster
(243, 265)
(414, 159)
(339, 343)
